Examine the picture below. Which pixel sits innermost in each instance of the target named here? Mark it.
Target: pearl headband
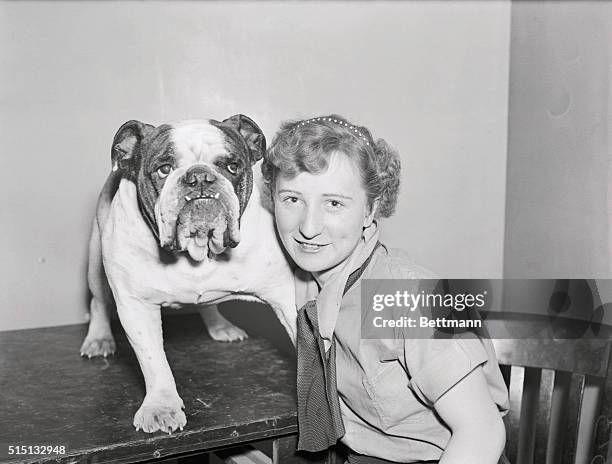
(336, 121)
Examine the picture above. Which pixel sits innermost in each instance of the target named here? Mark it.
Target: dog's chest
(182, 282)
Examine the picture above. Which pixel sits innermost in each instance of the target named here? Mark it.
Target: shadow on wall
(257, 319)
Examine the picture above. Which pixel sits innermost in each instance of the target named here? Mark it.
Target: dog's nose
(199, 175)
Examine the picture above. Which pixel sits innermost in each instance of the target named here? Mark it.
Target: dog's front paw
(226, 332)
(160, 412)
(98, 346)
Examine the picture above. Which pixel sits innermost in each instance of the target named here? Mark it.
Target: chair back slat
(558, 417)
(574, 406)
(528, 417)
(592, 424)
(544, 413)
(512, 419)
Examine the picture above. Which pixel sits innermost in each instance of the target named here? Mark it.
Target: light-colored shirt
(387, 388)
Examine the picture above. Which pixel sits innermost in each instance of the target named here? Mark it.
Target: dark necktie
(319, 419)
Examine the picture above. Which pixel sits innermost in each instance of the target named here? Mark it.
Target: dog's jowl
(181, 220)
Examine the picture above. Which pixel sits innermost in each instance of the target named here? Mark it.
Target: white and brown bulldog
(181, 220)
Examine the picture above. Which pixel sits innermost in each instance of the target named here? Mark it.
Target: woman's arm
(478, 432)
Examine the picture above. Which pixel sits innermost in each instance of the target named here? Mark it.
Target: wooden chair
(560, 399)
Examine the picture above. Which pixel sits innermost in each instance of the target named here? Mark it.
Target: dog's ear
(125, 142)
(251, 133)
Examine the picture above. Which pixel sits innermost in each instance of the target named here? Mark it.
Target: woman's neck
(320, 278)
(323, 277)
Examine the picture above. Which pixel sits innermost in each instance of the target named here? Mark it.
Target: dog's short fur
(179, 221)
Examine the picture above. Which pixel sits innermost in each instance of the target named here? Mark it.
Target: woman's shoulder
(395, 263)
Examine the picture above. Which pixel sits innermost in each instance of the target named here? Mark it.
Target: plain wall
(559, 201)
(429, 77)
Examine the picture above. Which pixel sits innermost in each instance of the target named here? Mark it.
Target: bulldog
(181, 220)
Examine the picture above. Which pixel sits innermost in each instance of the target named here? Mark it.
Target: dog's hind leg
(99, 340)
(219, 328)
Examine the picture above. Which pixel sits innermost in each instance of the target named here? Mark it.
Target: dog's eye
(164, 170)
(233, 167)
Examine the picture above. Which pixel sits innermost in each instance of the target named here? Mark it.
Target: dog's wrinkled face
(194, 179)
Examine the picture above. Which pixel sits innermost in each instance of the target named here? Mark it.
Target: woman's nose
(311, 224)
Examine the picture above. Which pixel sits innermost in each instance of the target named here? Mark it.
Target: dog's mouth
(205, 225)
(202, 196)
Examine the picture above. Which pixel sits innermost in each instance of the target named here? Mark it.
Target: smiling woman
(320, 209)
(320, 216)
(432, 400)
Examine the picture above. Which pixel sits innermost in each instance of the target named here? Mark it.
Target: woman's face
(320, 217)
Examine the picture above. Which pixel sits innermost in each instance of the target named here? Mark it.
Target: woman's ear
(372, 214)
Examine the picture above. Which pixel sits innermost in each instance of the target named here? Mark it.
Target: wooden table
(234, 393)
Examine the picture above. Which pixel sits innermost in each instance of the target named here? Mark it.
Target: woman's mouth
(310, 247)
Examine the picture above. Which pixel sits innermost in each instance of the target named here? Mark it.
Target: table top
(49, 395)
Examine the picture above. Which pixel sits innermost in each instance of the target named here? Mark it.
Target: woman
(402, 400)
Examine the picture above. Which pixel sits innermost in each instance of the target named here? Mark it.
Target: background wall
(430, 77)
(559, 201)
(559, 176)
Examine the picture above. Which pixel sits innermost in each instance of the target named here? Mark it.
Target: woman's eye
(233, 168)
(335, 204)
(164, 170)
(291, 199)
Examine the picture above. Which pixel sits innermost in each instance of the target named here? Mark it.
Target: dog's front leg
(162, 408)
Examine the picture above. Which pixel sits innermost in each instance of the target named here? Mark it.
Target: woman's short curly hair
(306, 146)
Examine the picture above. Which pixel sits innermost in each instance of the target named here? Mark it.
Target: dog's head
(193, 178)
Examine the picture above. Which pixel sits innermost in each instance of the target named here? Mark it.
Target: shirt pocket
(393, 399)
